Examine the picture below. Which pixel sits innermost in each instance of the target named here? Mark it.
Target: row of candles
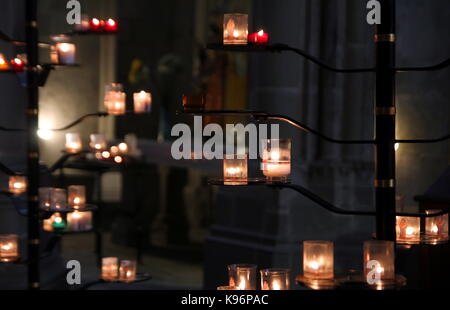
(17, 64)
(318, 264)
(96, 25)
(235, 31)
(112, 271)
(115, 100)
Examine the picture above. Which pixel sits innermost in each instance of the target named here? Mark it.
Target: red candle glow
(259, 37)
(17, 64)
(96, 25)
(111, 25)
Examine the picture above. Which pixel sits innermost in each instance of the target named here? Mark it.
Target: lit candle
(235, 28)
(242, 276)
(98, 142)
(77, 196)
(110, 268)
(235, 170)
(55, 223)
(96, 25)
(79, 221)
(115, 99)
(44, 198)
(83, 26)
(383, 253)
(123, 148)
(17, 64)
(9, 248)
(118, 159)
(276, 159)
(73, 143)
(127, 272)
(259, 37)
(3, 63)
(111, 25)
(318, 260)
(106, 155)
(436, 227)
(275, 279)
(408, 228)
(142, 102)
(17, 184)
(65, 53)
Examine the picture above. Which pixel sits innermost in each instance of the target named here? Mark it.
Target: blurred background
(162, 211)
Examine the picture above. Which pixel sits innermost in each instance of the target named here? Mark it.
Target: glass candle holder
(111, 25)
(17, 184)
(259, 37)
(58, 199)
(79, 221)
(276, 159)
(98, 142)
(142, 102)
(83, 26)
(55, 223)
(194, 102)
(127, 272)
(96, 25)
(77, 196)
(235, 169)
(9, 248)
(115, 103)
(110, 269)
(408, 228)
(318, 260)
(242, 276)
(235, 28)
(73, 143)
(275, 279)
(436, 226)
(382, 254)
(44, 198)
(3, 62)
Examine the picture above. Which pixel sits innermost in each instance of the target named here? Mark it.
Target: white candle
(73, 143)
(65, 53)
(79, 221)
(142, 102)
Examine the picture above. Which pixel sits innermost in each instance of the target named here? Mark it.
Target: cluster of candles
(235, 31)
(408, 229)
(275, 165)
(60, 199)
(112, 271)
(9, 248)
(115, 100)
(17, 64)
(243, 277)
(96, 25)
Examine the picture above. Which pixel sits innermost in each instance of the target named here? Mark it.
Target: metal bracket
(385, 110)
(34, 241)
(389, 183)
(387, 37)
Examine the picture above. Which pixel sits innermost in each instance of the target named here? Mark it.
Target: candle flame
(275, 155)
(118, 159)
(314, 265)
(261, 32)
(95, 21)
(276, 286)
(106, 154)
(18, 185)
(7, 247)
(235, 33)
(379, 270)
(409, 231)
(123, 147)
(76, 215)
(111, 22)
(64, 47)
(242, 284)
(435, 229)
(17, 61)
(233, 170)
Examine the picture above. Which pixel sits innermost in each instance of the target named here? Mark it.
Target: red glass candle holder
(111, 25)
(17, 65)
(259, 37)
(96, 25)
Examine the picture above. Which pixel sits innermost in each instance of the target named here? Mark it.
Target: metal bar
(385, 124)
(32, 145)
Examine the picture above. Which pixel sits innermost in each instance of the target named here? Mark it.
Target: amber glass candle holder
(235, 28)
(110, 269)
(408, 229)
(235, 169)
(318, 260)
(194, 102)
(9, 248)
(73, 143)
(115, 99)
(17, 184)
(382, 252)
(242, 276)
(436, 227)
(275, 279)
(127, 271)
(276, 159)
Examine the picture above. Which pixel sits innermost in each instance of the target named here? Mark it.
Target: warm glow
(396, 146)
(45, 134)
(379, 270)
(275, 155)
(98, 146)
(17, 61)
(76, 215)
(111, 22)
(123, 147)
(242, 284)
(261, 32)
(64, 47)
(142, 94)
(95, 21)
(118, 159)
(7, 247)
(235, 33)
(76, 200)
(232, 171)
(57, 219)
(106, 154)
(435, 229)
(409, 231)
(314, 265)
(276, 286)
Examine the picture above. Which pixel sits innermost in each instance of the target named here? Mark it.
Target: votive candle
(17, 184)
(408, 228)
(276, 159)
(382, 252)
(318, 259)
(242, 276)
(275, 279)
(127, 272)
(142, 102)
(110, 268)
(235, 28)
(73, 143)
(9, 248)
(235, 169)
(77, 196)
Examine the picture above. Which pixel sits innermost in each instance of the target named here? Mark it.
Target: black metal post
(385, 123)
(32, 113)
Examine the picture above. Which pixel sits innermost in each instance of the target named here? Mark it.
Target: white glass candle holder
(235, 28)
(115, 103)
(142, 102)
(235, 169)
(127, 272)
(77, 196)
(436, 227)
(408, 228)
(379, 257)
(275, 279)
(110, 269)
(318, 260)
(9, 248)
(79, 221)
(17, 184)
(98, 142)
(276, 159)
(73, 143)
(44, 198)
(242, 276)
